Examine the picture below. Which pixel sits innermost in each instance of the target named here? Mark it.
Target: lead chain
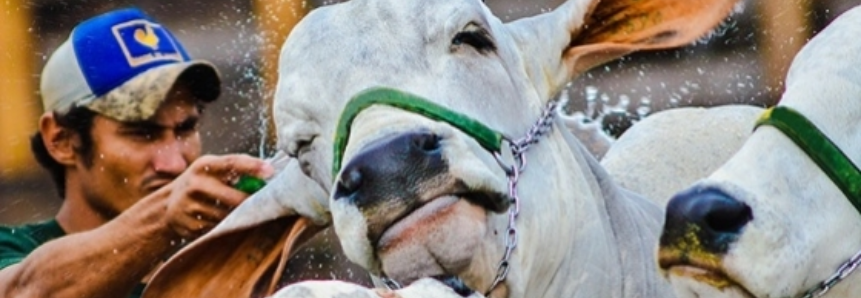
(842, 272)
(518, 150)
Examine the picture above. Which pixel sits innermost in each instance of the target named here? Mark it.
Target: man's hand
(204, 194)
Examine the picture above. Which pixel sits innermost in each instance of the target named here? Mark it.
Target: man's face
(133, 159)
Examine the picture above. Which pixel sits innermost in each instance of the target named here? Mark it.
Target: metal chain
(391, 283)
(842, 272)
(518, 149)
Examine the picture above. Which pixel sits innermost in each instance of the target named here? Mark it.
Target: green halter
(486, 137)
(821, 150)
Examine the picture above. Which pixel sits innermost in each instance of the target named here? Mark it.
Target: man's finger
(211, 211)
(189, 227)
(216, 193)
(231, 167)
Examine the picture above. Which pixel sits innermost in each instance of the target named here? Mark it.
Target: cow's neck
(601, 243)
(828, 103)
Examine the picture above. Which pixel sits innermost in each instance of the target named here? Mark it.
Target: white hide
(670, 150)
(589, 133)
(579, 235)
(425, 288)
(803, 227)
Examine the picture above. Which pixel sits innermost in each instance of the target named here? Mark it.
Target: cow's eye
(475, 37)
(296, 148)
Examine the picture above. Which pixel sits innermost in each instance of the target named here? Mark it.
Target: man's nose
(170, 158)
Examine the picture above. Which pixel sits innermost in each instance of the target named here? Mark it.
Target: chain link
(842, 272)
(518, 149)
(391, 283)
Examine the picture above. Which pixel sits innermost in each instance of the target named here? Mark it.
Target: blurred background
(743, 62)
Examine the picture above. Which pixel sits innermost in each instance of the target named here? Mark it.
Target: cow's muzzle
(395, 175)
(711, 216)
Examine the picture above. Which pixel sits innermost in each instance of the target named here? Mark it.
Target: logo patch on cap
(145, 42)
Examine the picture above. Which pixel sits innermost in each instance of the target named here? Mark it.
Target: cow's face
(416, 197)
(770, 222)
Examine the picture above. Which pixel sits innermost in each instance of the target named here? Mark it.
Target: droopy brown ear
(618, 27)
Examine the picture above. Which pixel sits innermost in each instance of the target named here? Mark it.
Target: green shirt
(16, 242)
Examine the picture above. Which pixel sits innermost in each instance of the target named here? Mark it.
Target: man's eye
(142, 134)
(186, 130)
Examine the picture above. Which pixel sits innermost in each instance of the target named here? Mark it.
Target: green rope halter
(821, 150)
(488, 138)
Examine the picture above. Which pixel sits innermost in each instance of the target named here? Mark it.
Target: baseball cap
(122, 64)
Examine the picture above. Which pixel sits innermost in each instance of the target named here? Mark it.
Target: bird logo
(146, 36)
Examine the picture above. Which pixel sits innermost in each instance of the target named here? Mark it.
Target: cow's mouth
(491, 201)
(427, 233)
(703, 268)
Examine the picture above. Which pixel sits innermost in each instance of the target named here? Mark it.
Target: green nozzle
(249, 184)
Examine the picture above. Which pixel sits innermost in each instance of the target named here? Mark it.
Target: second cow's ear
(618, 27)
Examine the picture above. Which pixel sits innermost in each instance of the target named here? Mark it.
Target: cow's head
(770, 222)
(417, 197)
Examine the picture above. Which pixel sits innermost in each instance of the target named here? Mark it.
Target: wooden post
(275, 19)
(784, 29)
(19, 107)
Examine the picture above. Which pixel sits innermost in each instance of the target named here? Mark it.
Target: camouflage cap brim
(139, 98)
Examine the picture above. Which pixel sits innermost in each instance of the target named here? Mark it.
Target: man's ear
(59, 141)
(582, 34)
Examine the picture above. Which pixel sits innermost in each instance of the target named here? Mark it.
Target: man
(120, 137)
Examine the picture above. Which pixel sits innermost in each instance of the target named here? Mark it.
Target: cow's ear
(613, 28)
(581, 34)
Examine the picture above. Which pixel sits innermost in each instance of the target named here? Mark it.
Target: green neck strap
(821, 150)
(486, 137)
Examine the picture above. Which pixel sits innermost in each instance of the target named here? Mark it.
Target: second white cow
(781, 218)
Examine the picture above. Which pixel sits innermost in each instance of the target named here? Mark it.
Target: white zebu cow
(770, 222)
(420, 198)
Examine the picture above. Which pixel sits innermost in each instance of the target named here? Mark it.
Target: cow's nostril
(427, 142)
(710, 208)
(349, 182)
(727, 215)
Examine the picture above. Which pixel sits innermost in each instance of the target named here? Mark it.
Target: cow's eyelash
(478, 39)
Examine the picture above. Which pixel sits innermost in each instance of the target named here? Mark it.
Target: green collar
(486, 137)
(821, 150)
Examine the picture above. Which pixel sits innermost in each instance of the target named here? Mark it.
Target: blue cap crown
(138, 44)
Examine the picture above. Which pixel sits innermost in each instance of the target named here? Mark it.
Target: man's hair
(79, 120)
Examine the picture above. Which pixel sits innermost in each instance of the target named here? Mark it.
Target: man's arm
(110, 260)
